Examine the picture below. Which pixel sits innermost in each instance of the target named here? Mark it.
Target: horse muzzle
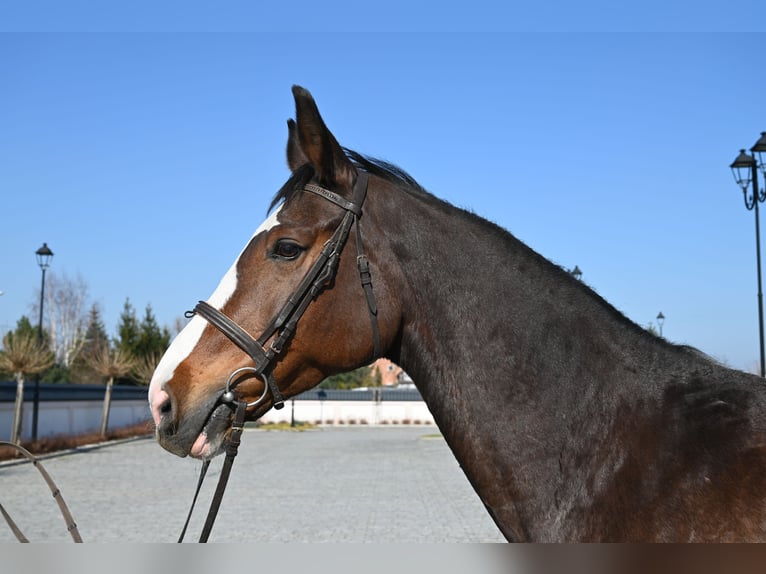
(199, 433)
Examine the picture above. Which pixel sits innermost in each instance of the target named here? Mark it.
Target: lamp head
(44, 256)
(742, 169)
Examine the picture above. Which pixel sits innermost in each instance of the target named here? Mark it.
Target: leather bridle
(282, 327)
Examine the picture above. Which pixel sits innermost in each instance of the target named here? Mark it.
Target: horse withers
(571, 422)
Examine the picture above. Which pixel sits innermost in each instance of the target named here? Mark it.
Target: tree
(111, 364)
(22, 354)
(128, 330)
(24, 327)
(95, 339)
(95, 332)
(146, 341)
(65, 304)
(56, 373)
(152, 341)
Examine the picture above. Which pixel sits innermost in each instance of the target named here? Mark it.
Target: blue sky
(146, 160)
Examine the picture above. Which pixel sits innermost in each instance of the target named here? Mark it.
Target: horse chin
(211, 439)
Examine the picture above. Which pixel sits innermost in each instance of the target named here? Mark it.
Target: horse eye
(287, 249)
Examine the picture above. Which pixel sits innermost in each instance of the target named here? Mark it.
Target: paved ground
(357, 484)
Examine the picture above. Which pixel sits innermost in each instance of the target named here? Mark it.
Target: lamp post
(660, 321)
(322, 395)
(745, 170)
(44, 256)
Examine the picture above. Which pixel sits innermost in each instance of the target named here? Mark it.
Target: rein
(281, 329)
(65, 513)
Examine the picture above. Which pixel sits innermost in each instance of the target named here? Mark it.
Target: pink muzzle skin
(158, 398)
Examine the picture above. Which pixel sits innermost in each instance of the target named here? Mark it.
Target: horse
(571, 422)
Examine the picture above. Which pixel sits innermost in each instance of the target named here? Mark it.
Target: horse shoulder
(688, 467)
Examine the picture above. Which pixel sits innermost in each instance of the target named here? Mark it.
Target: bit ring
(229, 396)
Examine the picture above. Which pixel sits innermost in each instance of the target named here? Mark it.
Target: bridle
(320, 275)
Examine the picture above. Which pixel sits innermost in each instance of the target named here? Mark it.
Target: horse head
(319, 204)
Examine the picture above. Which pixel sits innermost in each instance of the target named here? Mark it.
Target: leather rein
(281, 329)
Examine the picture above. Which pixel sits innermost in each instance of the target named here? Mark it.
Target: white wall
(353, 412)
(78, 417)
(73, 417)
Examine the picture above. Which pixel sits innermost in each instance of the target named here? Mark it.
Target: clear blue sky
(145, 161)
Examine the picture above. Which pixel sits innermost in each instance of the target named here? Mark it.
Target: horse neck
(509, 352)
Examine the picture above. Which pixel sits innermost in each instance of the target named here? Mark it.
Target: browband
(355, 208)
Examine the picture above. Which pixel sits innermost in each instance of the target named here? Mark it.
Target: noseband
(282, 327)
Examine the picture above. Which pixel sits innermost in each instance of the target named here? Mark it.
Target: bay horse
(571, 422)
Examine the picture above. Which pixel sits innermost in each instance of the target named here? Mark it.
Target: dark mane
(373, 166)
(404, 181)
(407, 183)
(388, 171)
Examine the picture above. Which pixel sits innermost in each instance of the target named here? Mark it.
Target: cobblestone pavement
(353, 484)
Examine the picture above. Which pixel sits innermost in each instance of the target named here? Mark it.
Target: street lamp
(660, 321)
(745, 170)
(44, 256)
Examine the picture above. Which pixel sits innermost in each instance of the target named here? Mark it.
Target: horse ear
(295, 156)
(319, 146)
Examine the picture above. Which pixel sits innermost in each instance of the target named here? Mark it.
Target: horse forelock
(294, 184)
(380, 168)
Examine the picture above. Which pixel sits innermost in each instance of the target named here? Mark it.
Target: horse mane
(406, 183)
(390, 172)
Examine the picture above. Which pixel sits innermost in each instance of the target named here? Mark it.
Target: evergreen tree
(128, 334)
(128, 330)
(96, 339)
(57, 374)
(152, 341)
(144, 341)
(95, 333)
(24, 328)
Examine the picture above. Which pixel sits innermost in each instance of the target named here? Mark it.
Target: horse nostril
(162, 406)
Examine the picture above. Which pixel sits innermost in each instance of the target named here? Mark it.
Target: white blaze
(189, 336)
